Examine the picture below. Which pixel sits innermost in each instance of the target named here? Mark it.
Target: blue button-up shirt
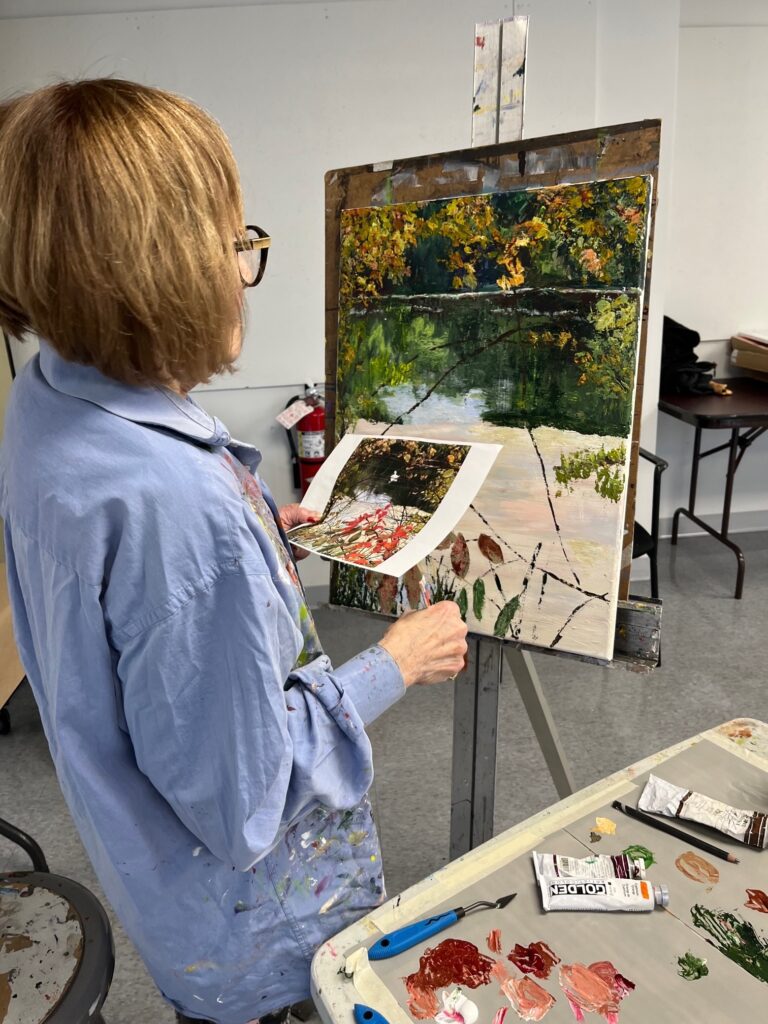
(215, 763)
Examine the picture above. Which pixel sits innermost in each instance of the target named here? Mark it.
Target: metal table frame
(745, 427)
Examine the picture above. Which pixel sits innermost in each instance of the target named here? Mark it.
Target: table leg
(733, 460)
(737, 441)
(694, 484)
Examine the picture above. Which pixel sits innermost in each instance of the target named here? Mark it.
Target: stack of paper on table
(749, 352)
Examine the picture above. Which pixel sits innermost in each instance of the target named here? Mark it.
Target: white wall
(718, 273)
(304, 87)
(637, 78)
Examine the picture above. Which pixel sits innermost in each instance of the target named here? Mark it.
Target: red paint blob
(537, 959)
(494, 940)
(757, 900)
(452, 962)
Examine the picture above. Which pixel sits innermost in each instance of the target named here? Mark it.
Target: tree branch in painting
(552, 507)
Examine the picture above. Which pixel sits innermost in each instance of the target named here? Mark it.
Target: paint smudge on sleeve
(735, 938)
(527, 997)
(691, 967)
(537, 959)
(757, 900)
(452, 962)
(636, 852)
(598, 988)
(697, 868)
(241, 907)
(494, 940)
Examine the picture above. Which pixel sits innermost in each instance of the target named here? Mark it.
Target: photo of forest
(383, 497)
(511, 318)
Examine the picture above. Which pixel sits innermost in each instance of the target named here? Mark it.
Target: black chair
(70, 983)
(645, 542)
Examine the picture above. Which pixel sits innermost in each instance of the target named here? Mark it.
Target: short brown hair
(119, 207)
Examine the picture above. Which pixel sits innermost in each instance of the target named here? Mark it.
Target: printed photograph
(383, 497)
(514, 319)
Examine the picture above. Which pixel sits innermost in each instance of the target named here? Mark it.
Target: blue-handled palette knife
(366, 1015)
(412, 934)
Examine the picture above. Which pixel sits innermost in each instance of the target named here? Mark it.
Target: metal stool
(57, 954)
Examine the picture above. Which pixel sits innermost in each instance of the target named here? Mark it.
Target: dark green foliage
(606, 465)
(521, 381)
(505, 617)
(409, 473)
(462, 603)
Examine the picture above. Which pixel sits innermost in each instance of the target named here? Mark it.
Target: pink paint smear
(529, 1000)
(598, 988)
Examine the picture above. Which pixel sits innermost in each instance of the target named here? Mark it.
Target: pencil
(686, 837)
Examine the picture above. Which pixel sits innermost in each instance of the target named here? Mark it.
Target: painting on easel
(514, 318)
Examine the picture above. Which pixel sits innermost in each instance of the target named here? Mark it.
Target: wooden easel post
(497, 116)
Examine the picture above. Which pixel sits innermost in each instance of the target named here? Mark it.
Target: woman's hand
(428, 646)
(296, 515)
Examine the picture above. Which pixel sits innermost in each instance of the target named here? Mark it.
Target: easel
(497, 116)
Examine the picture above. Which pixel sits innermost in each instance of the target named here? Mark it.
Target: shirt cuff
(372, 680)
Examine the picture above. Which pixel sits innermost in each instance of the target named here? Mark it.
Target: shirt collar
(151, 406)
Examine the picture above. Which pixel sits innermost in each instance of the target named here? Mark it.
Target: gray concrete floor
(714, 668)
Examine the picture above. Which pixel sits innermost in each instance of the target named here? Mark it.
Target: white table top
(333, 991)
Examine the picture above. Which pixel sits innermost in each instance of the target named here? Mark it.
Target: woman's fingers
(296, 515)
(428, 646)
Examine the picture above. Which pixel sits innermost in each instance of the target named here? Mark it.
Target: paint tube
(632, 894)
(598, 865)
(670, 801)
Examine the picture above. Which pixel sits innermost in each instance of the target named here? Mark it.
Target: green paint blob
(735, 938)
(691, 967)
(640, 853)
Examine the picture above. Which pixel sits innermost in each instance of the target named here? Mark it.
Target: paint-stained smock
(215, 763)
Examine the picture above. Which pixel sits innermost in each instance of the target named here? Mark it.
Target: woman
(214, 761)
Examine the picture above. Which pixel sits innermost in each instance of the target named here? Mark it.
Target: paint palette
(704, 959)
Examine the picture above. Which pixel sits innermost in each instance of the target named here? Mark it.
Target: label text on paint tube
(629, 894)
(670, 801)
(597, 865)
(581, 889)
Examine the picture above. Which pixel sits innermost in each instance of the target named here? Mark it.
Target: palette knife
(412, 934)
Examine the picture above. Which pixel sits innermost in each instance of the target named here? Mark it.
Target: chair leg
(654, 574)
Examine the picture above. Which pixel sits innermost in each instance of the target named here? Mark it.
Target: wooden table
(745, 414)
(342, 974)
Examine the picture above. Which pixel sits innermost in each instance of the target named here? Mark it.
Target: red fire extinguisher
(311, 438)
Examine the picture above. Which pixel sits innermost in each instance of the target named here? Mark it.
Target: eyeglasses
(252, 251)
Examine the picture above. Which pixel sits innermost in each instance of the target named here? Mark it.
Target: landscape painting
(508, 318)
